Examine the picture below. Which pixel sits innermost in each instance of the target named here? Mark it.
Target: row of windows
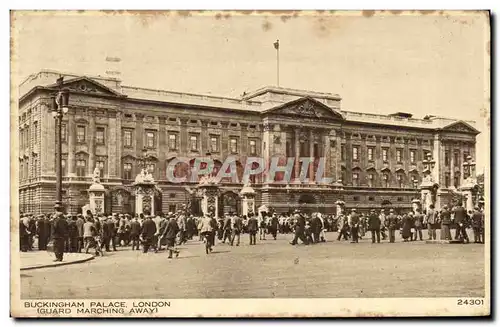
(456, 158)
(384, 154)
(24, 137)
(24, 169)
(371, 180)
(150, 140)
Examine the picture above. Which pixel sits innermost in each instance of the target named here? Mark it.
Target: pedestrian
(353, 220)
(160, 231)
(43, 232)
(89, 234)
(23, 234)
(106, 232)
(445, 217)
(316, 227)
(170, 233)
(431, 220)
(262, 225)
(59, 235)
(252, 227)
(392, 225)
(418, 222)
(227, 229)
(273, 225)
(73, 235)
(374, 225)
(343, 227)
(477, 219)
(135, 231)
(79, 226)
(460, 219)
(323, 227)
(407, 225)
(148, 232)
(237, 227)
(300, 225)
(383, 224)
(181, 222)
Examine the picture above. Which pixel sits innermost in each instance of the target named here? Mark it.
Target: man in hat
(374, 224)
(300, 226)
(383, 224)
(252, 228)
(236, 232)
(354, 225)
(227, 228)
(445, 217)
(392, 225)
(273, 225)
(477, 225)
(59, 235)
(431, 220)
(135, 231)
(43, 232)
(460, 215)
(147, 233)
(170, 233)
(79, 226)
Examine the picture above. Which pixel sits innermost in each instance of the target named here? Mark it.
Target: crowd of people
(103, 233)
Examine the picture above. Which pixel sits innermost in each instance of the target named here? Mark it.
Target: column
(311, 155)
(112, 145)
(461, 161)
(297, 152)
(71, 131)
(338, 155)
(91, 142)
(119, 147)
(438, 158)
(452, 165)
(326, 153)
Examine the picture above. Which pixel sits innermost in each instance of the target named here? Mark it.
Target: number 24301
(470, 302)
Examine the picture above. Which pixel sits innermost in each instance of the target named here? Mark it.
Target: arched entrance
(229, 202)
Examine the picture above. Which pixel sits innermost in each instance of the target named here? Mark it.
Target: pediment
(307, 108)
(461, 127)
(87, 85)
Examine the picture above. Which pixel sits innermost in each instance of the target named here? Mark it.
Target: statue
(428, 178)
(96, 178)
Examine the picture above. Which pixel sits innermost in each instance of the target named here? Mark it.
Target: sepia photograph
(250, 163)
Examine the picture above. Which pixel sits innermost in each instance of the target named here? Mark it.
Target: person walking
(227, 229)
(418, 223)
(343, 227)
(135, 231)
(460, 219)
(374, 225)
(237, 227)
(79, 226)
(252, 227)
(407, 227)
(477, 221)
(354, 225)
(383, 225)
(392, 225)
(300, 225)
(170, 233)
(59, 235)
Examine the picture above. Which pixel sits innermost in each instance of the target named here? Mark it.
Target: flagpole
(278, 66)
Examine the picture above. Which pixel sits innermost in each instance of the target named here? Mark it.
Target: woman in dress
(407, 224)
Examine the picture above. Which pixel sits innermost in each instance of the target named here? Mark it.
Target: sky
(433, 63)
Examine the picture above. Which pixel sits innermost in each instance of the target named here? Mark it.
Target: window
(172, 208)
(370, 154)
(355, 179)
(371, 198)
(127, 138)
(412, 156)
(400, 199)
(399, 155)
(426, 154)
(253, 147)
(385, 179)
(456, 181)
(193, 142)
(371, 180)
(27, 137)
(355, 198)
(127, 170)
(35, 168)
(384, 154)
(233, 145)
(342, 152)
(172, 141)
(80, 134)
(171, 195)
(99, 135)
(456, 156)
(81, 166)
(355, 153)
(64, 167)
(447, 158)
(400, 180)
(64, 133)
(447, 178)
(35, 134)
(150, 139)
(100, 165)
(214, 144)
(21, 139)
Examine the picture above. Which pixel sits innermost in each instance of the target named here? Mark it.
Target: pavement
(271, 269)
(45, 259)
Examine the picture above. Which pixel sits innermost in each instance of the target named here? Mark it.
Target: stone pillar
(311, 156)
(297, 153)
(248, 205)
(426, 197)
(144, 198)
(326, 154)
(96, 198)
(118, 137)
(112, 145)
(437, 155)
(210, 201)
(71, 131)
(460, 162)
(91, 142)
(452, 166)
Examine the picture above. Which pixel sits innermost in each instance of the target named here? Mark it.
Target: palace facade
(375, 160)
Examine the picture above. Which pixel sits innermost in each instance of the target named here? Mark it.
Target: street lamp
(60, 107)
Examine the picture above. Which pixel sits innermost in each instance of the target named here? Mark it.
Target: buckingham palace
(373, 160)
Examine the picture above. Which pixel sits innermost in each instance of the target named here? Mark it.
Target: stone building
(378, 158)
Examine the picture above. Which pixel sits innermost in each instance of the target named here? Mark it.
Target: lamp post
(469, 166)
(59, 108)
